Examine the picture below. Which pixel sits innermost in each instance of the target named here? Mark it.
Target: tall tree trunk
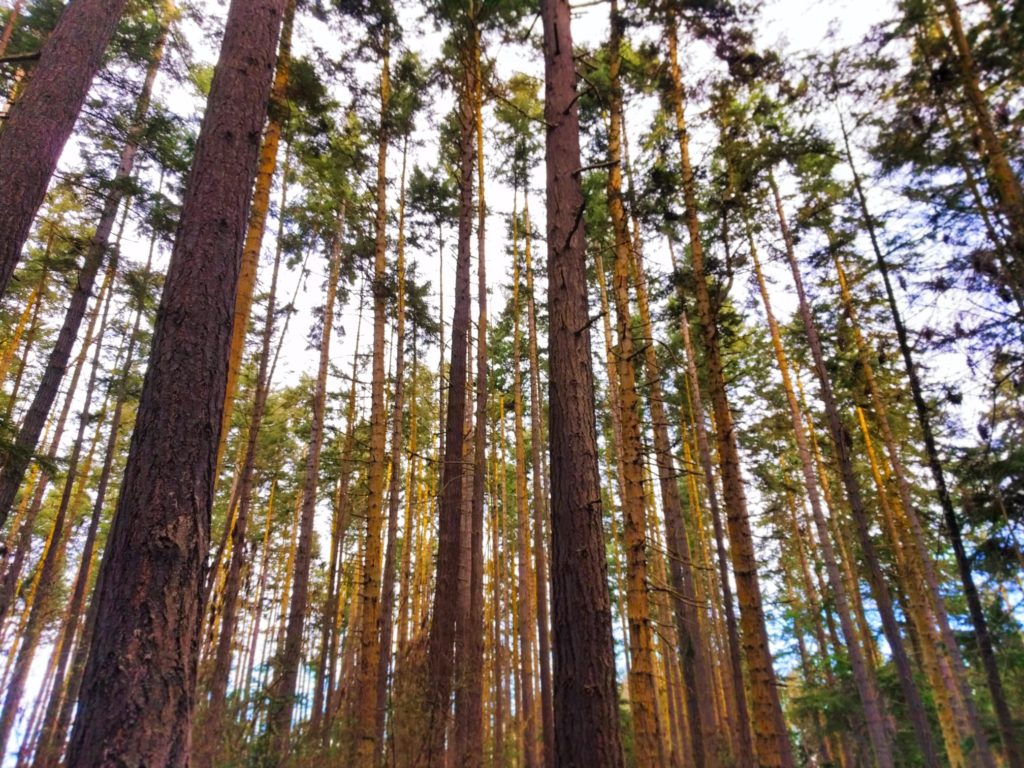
(58, 713)
(771, 740)
(387, 600)
(28, 436)
(585, 701)
(867, 690)
(540, 505)
(440, 646)
(41, 120)
(47, 573)
(647, 742)
(136, 699)
(260, 207)
(367, 750)
(525, 612)
(279, 718)
(742, 732)
(469, 716)
(241, 501)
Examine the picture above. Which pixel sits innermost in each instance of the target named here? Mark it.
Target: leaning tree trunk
(986, 650)
(39, 124)
(138, 686)
(32, 426)
(585, 701)
(842, 441)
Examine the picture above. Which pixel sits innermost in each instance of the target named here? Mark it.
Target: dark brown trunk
(28, 436)
(585, 696)
(41, 120)
(440, 645)
(137, 691)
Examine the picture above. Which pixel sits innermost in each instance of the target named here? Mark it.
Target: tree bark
(585, 698)
(136, 700)
(41, 120)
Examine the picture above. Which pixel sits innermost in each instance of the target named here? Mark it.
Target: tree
(586, 717)
(43, 117)
(137, 689)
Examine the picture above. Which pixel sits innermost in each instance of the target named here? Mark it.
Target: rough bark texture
(41, 120)
(585, 699)
(643, 694)
(257, 225)
(136, 699)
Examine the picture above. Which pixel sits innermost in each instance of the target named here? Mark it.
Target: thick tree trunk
(136, 700)
(41, 120)
(585, 698)
(260, 207)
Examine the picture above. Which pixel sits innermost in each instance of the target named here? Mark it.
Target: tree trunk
(260, 207)
(771, 740)
(136, 700)
(867, 690)
(241, 503)
(1007, 733)
(367, 750)
(440, 646)
(41, 120)
(585, 701)
(647, 743)
(279, 718)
